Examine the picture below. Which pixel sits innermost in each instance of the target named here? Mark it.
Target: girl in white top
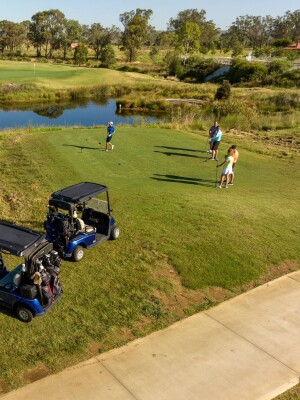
(227, 170)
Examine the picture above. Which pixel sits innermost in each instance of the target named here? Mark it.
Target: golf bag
(59, 230)
(3, 269)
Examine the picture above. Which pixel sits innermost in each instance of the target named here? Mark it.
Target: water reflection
(75, 113)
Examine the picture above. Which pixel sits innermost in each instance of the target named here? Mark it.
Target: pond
(80, 113)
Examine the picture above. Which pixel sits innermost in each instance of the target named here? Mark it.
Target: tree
(287, 26)
(26, 25)
(46, 31)
(80, 54)
(188, 39)
(136, 31)
(166, 39)
(190, 15)
(209, 35)
(252, 31)
(12, 35)
(99, 38)
(115, 34)
(107, 56)
(72, 33)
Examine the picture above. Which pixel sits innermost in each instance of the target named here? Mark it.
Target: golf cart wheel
(78, 253)
(24, 314)
(115, 232)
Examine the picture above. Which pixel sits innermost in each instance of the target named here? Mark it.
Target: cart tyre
(24, 314)
(115, 232)
(78, 253)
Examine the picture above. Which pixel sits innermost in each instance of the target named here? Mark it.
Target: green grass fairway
(61, 76)
(184, 244)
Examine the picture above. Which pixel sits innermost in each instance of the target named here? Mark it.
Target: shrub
(279, 66)
(285, 101)
(224, 91)
(281, 42)
(128, 68)
(80, 54)
(196, 69)
(42, 60)
(245, 71)
(154, 52)
(107, 56)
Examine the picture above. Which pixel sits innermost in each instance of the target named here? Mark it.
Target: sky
(106, 12)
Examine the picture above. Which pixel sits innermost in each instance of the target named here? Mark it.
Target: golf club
(208, 154)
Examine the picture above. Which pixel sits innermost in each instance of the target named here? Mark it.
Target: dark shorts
(215, 145)
(108, 139)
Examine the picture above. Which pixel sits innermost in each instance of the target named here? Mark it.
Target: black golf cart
(33, 287)
(79, 217)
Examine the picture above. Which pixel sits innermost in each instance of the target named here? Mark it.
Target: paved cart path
(245, 348)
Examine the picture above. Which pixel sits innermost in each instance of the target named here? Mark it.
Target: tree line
(187, 34)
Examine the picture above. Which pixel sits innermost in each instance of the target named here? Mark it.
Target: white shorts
(227, 171)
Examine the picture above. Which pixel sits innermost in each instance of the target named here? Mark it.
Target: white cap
(111, 123)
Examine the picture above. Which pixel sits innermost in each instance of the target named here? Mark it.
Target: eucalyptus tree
(26, 41)
(99, 37)
(209, 34)
(46, 31)
(287, 26)
(166, 39)
(230, 39)
(137, 31)
(253, 31)
(12, 35)
(188, 40)
(72, 33)
(116, 36)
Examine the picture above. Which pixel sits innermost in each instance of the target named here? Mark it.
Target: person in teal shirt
(216, 141)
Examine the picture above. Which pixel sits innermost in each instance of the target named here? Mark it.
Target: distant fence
(266, 61)
(223, 60)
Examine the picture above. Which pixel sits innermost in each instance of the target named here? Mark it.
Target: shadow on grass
(179, 148)
(82, 147)
(169, 153)
(184, 179)
(8, 313)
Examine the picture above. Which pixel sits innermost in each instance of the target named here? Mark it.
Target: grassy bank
(184, 245)
(28, 81)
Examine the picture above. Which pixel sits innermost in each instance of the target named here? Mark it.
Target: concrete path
(245, 348)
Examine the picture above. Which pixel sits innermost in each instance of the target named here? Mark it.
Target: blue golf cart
(33, 287)
(79, 217)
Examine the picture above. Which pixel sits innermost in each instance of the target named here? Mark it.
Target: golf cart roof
(78, 193)
(17, 240)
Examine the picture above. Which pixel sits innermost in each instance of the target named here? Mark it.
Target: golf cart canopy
(17, 240)
(78, 193)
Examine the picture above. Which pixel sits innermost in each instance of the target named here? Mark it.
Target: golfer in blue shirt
(110, 132)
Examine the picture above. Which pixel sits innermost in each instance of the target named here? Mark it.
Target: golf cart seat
(82, 227)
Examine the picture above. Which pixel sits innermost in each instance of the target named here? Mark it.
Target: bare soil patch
(34, 374)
